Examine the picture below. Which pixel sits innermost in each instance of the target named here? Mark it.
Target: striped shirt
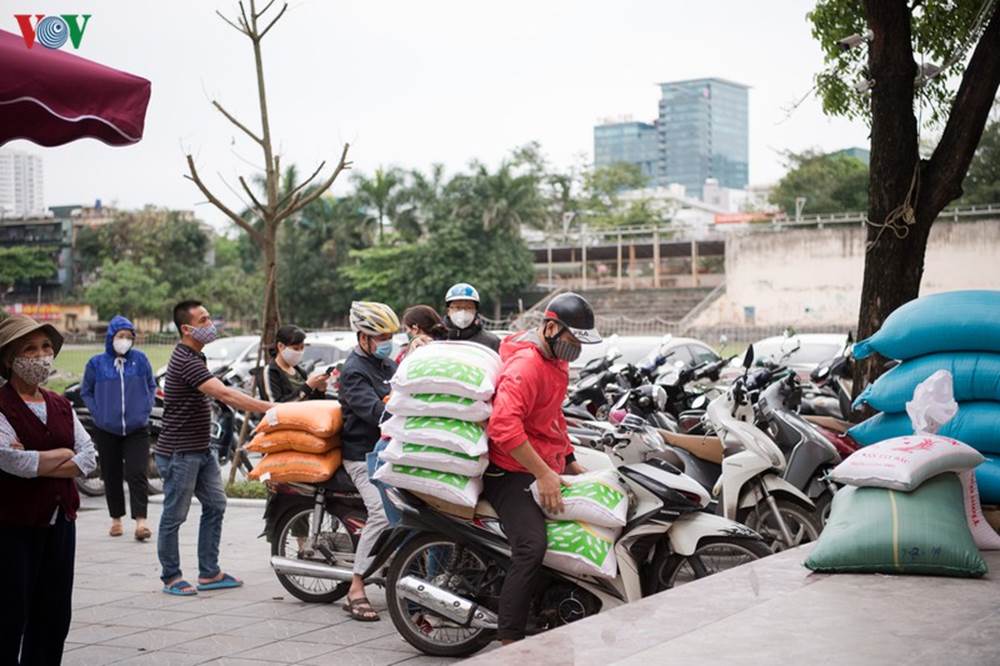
(187, 415)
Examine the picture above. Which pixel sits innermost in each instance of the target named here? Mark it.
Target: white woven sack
(453, 488)
(903, 463)
(983, 534)
(434, 457)
(581, 549)
(439, 404)
(451, 434)
(597, 498)
(465, 369)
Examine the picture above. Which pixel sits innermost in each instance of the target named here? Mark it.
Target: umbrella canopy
(52, 97)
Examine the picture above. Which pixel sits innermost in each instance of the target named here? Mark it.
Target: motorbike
(92, 484)
(446, 572)
(313, 530)
(750, 481)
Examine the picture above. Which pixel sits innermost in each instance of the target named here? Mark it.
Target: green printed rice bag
(581, 549)
(435, 458)
(464, 369)
(597, 498)
(451, 434)
(453, 488)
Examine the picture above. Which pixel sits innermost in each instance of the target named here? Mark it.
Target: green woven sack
(877, 530)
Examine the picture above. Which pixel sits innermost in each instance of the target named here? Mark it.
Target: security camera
(855, 40)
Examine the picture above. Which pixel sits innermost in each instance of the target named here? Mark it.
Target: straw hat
(16, 327)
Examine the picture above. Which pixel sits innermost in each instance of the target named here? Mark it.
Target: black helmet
(574, 312)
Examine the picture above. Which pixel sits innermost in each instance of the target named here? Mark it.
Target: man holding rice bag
(364, 385)
(529, 443)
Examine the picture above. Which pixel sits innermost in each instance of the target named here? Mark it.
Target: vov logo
(52, 31)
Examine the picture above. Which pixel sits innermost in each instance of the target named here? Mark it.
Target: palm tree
(380, 194)
(507, 200)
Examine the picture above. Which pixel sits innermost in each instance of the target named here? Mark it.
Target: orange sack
(319, 417)
(292, 440)
(296, 467)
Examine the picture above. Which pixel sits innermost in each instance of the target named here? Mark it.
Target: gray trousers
(377, 521)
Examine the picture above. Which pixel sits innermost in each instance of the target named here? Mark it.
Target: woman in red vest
(42, 447)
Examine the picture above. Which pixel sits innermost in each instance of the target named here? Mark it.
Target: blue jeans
(373, 462)
(185, 475)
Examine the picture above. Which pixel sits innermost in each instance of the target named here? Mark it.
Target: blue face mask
(383, 350)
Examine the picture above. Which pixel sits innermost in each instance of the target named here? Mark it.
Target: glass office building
(632, 142)
(703, 134)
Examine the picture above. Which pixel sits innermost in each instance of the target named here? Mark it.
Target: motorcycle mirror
(850, 338)
(748, 358)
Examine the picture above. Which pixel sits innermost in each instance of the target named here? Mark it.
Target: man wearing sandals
(188, 466)
(364, 385)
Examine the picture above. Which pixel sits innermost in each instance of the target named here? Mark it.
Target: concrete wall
(813, 276)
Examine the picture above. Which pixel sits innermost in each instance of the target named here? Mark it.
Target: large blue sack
(975, 376)
(976, 424)
(988, 480)
(951, 321)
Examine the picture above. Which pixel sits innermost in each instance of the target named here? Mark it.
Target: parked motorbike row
(717, 475)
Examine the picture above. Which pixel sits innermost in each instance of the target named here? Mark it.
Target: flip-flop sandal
(180, 588)
(224, 583)
(142, 533)
(361, 610)
(116, 530)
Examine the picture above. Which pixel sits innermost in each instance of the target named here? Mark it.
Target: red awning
(52, 97)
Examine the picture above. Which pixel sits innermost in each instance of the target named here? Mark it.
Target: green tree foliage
(830, 184)
(132, 288)
(22, 264)
(380, 195)
(982, 183)
(602, 205)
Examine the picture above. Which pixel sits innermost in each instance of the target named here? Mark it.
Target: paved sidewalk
(121, 616)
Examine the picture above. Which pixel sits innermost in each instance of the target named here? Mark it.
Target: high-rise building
(703, 134)
(629, 141)
(21, 184)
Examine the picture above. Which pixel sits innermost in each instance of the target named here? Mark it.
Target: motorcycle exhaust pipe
(446, 604)
(307, 569)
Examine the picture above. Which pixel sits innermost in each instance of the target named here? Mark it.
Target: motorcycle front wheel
(804, 525)
(291, 539)
(91, 485)
(712, 555)
(440, 561)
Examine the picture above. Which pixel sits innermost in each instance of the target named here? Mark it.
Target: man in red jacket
(529, 442)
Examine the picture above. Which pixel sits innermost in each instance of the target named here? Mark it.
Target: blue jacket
(119, 391)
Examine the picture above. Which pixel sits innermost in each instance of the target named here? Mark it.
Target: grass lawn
(73, 359)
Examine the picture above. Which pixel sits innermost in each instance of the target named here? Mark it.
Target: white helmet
(462, 292)
(373, 318)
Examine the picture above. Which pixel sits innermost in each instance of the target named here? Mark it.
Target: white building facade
(22, 184)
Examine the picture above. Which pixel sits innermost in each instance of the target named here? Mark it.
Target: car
(637, 349)
(800, 352)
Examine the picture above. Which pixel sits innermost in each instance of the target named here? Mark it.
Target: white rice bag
(597, 498)
(453, 488)
(451, 434)
(439, 404)
(465, 369)
(581, 549)
(983, 534)
(903, 463)
(434, 457)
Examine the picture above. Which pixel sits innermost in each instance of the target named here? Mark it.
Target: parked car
(802, 353)
(636, 349)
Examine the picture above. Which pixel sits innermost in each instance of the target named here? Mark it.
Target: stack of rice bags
(440, 401)
(910, 504)
(300, 442)
(957, 331)
(582, 537)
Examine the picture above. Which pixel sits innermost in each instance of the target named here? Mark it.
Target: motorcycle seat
(485, 510)
(340, 482)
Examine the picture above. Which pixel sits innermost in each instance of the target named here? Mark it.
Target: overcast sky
(415, 82)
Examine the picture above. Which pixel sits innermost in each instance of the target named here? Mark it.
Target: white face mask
(121, 345)
(462, 318)
(292, 356)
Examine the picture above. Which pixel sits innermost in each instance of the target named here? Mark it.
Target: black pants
(38, 592)
(524, 524)
(133, 450)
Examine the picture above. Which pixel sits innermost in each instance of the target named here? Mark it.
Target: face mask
(292, 356)
(121, 345)
(205, 334)
(562, 350)
(462, 318)
(383, 350)
(34, 371)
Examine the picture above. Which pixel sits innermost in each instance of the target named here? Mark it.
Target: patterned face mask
(33, 370)
(205, 334)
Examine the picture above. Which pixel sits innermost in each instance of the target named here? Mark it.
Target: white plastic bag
(453, 488)
(434, 457)
(581, 549)
(983, 534)
(903, 463)
(465, 369)
(933, 403)
(451, 434)
(597, 498)
(439, 404)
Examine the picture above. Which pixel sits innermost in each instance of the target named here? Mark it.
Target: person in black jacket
(463, 319)
(364, 387)
(284, 380)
